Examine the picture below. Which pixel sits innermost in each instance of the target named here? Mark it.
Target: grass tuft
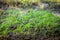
(27, 23)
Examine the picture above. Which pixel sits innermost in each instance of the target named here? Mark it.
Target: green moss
(29, 22)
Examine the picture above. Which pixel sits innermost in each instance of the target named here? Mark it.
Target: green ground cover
(27, 23)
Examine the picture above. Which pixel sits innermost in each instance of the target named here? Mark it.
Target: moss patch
(31, 22)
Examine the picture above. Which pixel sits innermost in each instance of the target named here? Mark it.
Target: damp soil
(37, 36)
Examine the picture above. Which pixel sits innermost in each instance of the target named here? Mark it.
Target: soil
(38, 36)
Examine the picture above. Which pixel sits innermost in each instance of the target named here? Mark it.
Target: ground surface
(38, 36)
